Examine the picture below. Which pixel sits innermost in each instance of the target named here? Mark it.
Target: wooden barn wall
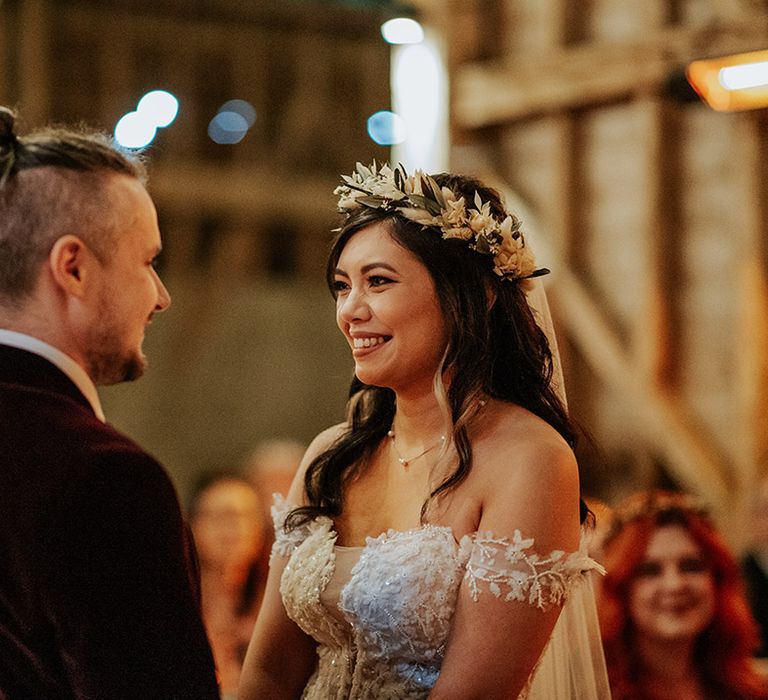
(248, 350)
(655, 209)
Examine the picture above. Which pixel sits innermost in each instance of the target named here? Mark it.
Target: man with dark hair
(98, 588)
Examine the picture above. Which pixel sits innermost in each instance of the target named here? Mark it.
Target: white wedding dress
(381, 613)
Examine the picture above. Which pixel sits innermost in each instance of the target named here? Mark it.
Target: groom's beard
(110, 359)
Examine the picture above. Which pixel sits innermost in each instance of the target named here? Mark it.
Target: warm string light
(732, 83)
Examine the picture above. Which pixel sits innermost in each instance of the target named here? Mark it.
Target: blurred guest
(602, 516)
(603, 519)
(755, 564)
(271, 468)
(228, 526)
(675, 619)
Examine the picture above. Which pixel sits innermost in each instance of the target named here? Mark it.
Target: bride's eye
(339, 286)
(379, 280)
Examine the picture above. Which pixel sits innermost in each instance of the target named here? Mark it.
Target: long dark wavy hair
(499, 352)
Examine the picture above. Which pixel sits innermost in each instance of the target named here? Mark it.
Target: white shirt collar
(64, 362)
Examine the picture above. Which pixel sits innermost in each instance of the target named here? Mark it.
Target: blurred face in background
(228, 525)
(672, 595)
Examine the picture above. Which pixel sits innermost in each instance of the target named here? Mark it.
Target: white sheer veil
(536, 296)
(572, 666)
(535, 289)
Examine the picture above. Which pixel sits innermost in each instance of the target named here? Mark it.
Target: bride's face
(672, 595)
(387, 309)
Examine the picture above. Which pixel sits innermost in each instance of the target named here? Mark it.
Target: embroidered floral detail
(286, 542)
(387, 636)
(516, 572)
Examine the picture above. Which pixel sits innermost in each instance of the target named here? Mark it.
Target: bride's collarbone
(369, 517)
(371, 511)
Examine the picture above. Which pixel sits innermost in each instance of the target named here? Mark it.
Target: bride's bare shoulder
(527, 478)
(325, 439)
(515, 444)
(322, 442)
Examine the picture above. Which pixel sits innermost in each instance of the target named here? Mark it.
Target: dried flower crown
(420, 199)
(656, 505)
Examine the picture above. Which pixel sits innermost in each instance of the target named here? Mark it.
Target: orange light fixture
(732, 83)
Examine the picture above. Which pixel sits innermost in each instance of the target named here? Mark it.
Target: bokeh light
(387, 128)
(402, 30)
(135, 130)
(157, 109)
(228, 128)
(232, 121)
(245, 109)
(159, 106)
(420, 97)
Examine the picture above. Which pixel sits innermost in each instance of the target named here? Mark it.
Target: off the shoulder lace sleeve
(514, 571)
(285, 542)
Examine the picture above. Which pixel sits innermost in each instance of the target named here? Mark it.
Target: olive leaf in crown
(419, 198)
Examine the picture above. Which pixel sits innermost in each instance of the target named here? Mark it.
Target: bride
(433, 545)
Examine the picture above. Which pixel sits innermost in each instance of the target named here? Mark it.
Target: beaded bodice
(397, 606)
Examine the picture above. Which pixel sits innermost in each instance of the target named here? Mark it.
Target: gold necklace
(405, 462)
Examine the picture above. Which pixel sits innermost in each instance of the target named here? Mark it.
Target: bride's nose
(353, 307)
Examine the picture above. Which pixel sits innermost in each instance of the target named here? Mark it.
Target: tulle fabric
(536, 296)
(572, 665)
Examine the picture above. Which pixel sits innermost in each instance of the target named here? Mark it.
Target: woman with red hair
(674, 616)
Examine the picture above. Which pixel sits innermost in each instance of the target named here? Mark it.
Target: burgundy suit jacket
(98, 590)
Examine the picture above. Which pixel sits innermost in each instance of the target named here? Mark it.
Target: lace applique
(398, 601)
(513, 570)
(286, 542)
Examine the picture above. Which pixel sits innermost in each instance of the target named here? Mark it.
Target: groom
(98, 590)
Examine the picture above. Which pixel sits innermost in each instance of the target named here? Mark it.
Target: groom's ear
(69, 262)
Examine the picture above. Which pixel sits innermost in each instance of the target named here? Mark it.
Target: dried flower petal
(420, 199)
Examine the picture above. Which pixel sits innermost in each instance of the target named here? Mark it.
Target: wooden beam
(487, 93)
(6, 45)
(34, 69)
(751, 436)
(241, 191)
(750, 348)
(659, 416)
(200, 27)
(650, 326)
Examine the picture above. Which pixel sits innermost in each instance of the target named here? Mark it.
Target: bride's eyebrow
(367, 268)
(374, 265)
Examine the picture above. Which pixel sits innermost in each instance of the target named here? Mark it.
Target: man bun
(7, 122)
(9, 144)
